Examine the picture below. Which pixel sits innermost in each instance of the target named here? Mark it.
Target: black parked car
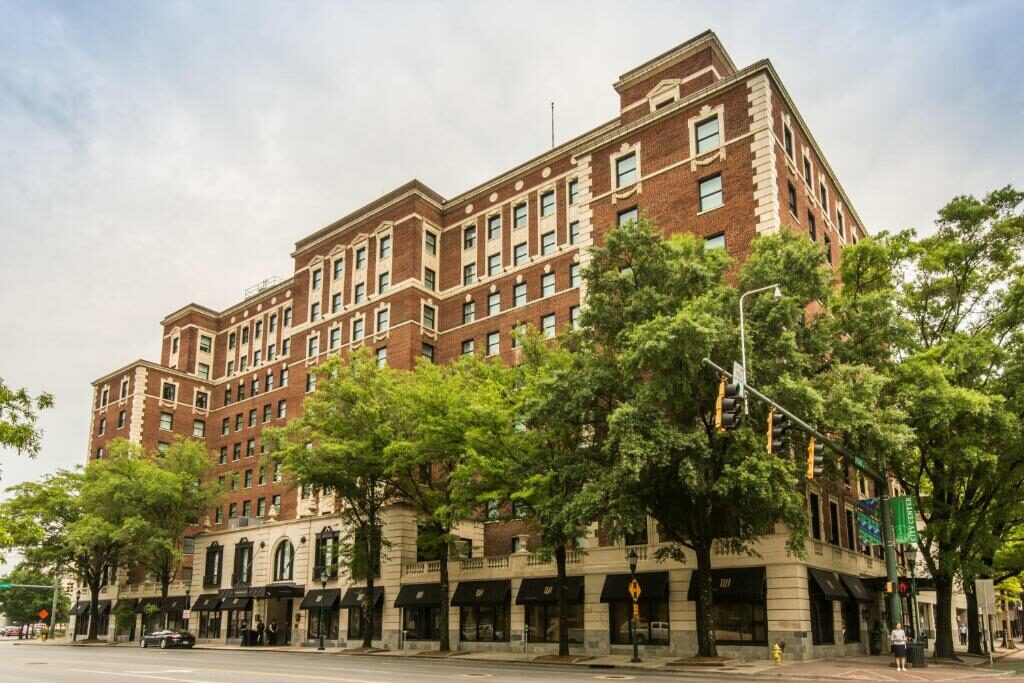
(168, 638)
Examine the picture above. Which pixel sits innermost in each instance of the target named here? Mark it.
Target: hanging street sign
(904, 520)
(869, 523)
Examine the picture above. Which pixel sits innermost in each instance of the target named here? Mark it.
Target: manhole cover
(614, 677)
(476, 675)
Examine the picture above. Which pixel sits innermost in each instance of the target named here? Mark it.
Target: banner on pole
(904, 520)
(869, 524)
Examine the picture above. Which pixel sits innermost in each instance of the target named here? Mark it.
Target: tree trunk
(563, 603)
(445, 643)
(944, 618)
(371, 566)
(705, 615)
(94, 609)
(165, 588)
(973, 631)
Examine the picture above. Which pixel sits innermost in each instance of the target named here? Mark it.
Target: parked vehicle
(659, 632)
(10, 631)
(168, 638)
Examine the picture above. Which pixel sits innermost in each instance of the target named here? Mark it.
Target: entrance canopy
(828, 584)
(733, 584)
(328, 599)
(237, 604)
(174, 603)
(544, 591)
(419, 595)
(653, 586)
(469, 593)
(856, 588)
(277, 590)
(208, 602)
(354, 597)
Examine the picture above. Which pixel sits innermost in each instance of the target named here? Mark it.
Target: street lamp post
(78, 595)
(323, 598)
(633, 557)
(188, 603)
(743, 330)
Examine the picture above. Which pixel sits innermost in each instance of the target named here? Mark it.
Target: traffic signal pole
(881, 482)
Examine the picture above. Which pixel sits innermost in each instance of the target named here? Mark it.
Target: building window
(230, 370)
(493, 343)
(574, 317)
(248, 479)
(519, 216)
(547, 243)
(711, 192)
(383, 282)
(223, 455)
(627, 216)
(103, 424)
(427, 351)
(335, 338)
(166, 422)
(339, 268)
(382, 319)
(654, 622)
(494, 264)
(740, 622)
(815, 517)
(574, 232)
(205, 343)
(202, 399)
(469, 273)
(104, 397)
(519, 254)
(263, 475)
(519, 294)
(574, 275)
(218, 517)
(203, 371)
(827, 243)
(282, 409)
(468, 312)
(243, 365)
(547, 284)
(842, 227)
(517, 335)
(493, 303)
(243, 561)
(542, 622)
(547, 204)
(314, 345)
(357, 329)
(314, 312)
(245, 335)
(429, 317)
(225, 426)
(493, 227)
(791, 191)
(625, 170)
(469, 237)
(429, 279)
(715, 242)
(787, 141)
(574, 191)
(360, 258)
(485, 623)
(359, 294)
(824, 197)
(310, 382)
(232, 510)
(822, 619)
(382, 356)
(174, 345)
(284, 561)
(267, 413)
(236, 452)
(547, 326)
(812, 227)
(385, 246)
(318, 276)
(214, 561)
(467, 347)
(287, 317)
(124, 388)
(231, 340)
(336, 302)
(355, 622)
(707, 135)
(261, 507)
(284, 377)
(430, 243)
(807, 171)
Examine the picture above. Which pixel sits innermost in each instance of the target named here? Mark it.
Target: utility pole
(881, 482)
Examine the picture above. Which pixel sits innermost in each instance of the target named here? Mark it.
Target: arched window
(284, 560)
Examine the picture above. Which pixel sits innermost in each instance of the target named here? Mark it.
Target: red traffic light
(904, 587)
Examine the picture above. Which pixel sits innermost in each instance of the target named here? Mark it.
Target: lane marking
(157, 678)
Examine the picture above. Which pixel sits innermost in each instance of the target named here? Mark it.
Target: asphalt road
(62, 664)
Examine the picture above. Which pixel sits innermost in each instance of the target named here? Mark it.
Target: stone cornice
(156, 367)
(673, 56)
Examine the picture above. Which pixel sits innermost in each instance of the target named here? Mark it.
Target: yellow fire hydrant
(777, 654)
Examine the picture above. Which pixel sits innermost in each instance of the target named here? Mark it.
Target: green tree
(18, 415)
(22, 605)
(656, 307)
(169, 489)
(338, 444)
(447, 418)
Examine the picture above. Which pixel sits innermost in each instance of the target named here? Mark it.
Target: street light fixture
(323, 598)
(78, 595)
(777, 293)
(633, 557)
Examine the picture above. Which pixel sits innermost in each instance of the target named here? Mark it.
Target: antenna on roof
(552, 125)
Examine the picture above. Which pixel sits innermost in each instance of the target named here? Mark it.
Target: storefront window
(851, 621)
(209, 624)
(355, 622)
(542, 622)
(238, 622)
(422, 623)
(740, 622)
(653, 626)
(822, 622)
(330, 630)
(485, 623)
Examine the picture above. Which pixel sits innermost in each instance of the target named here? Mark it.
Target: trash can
(915, 653)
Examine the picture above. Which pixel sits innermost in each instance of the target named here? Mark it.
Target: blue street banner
(869, 522)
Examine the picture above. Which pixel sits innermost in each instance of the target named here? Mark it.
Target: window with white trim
(468, 312)
(547, 243)
(625, 170)
(469, 273)
(519, 254)
(547, 204)
(494, 227)
(494, 264)
(710, 192)
(707, 135)
(547, 326)
(493, 343)
(429, 317)
(519, 216)
(383, 316)
(547, 284)
(385, 246)
(493, 303)
(469, 237)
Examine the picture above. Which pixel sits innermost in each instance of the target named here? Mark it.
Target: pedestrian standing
(963, 633)
(272, 632)
(898, 637)
(259, 632)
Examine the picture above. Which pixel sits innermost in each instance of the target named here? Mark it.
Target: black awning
(419, 595)
(354, 597)
(828, 584)
(143, 603)
(239, 604)
(276, 590)
(856, 588)
(174, 603)
(125, 604)
(732, 584)
(209, 602)
(225, 593)
(653, 586)
(104, 607)
(80, 608)
(316, 598)
(544, 591)
(469, 593)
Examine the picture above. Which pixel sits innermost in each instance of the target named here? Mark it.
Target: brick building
(699, 146)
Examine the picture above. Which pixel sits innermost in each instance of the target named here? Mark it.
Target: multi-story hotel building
(699, 146)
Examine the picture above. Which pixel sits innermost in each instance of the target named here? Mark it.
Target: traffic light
(889, 586)
(778, 431)
(815, 459)
(727, 408)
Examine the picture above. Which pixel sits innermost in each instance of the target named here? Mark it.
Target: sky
(154, 154)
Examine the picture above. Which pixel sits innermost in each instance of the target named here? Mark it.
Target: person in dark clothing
(259, 632)
(272, 632)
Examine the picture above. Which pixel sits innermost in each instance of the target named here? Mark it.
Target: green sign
(5, 584)
(904, 520)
